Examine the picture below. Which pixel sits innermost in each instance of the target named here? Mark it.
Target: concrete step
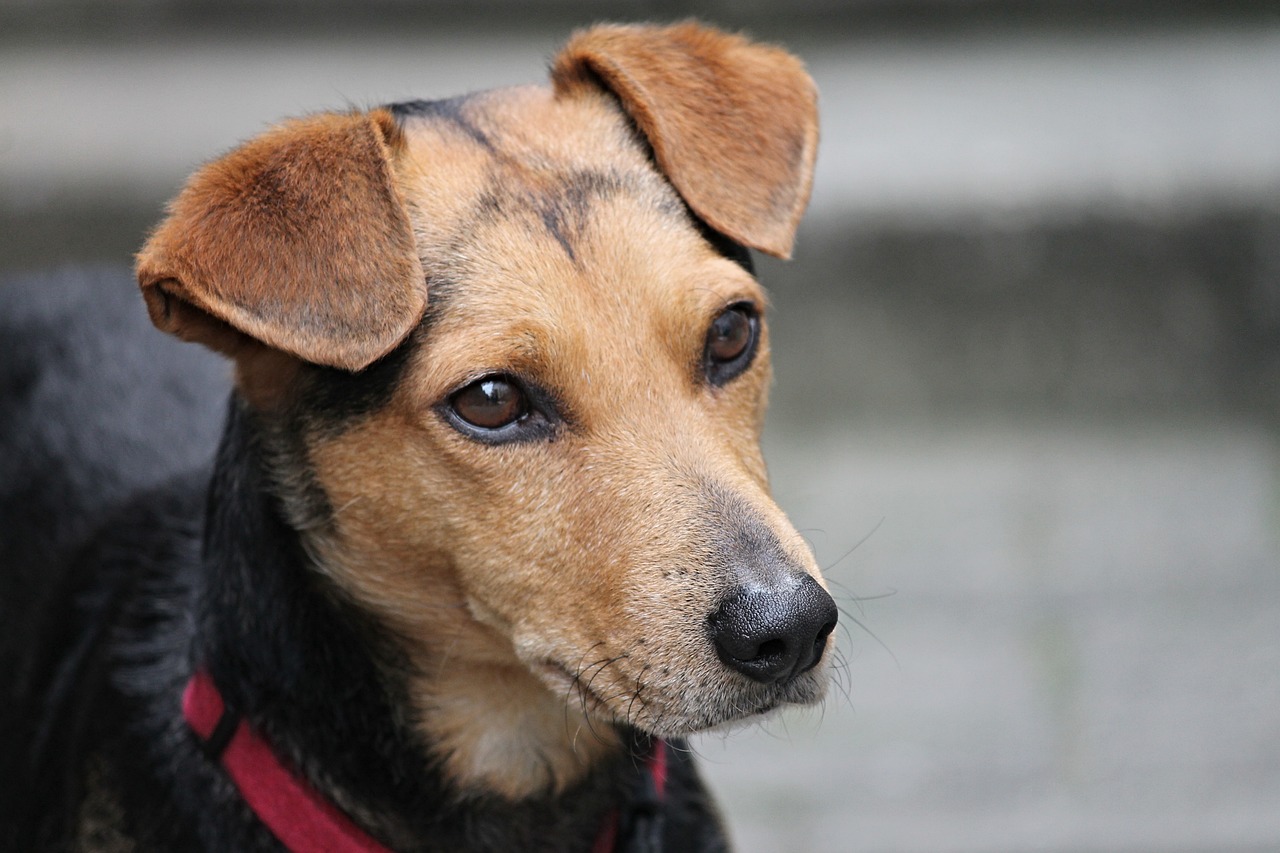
(1028, 123)
(1065, 640)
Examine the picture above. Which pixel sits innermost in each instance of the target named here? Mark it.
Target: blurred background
(1028, 364)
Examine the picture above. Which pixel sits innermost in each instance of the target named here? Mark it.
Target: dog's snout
(772, 634)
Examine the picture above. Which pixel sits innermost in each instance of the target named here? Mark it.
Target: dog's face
(546, 482)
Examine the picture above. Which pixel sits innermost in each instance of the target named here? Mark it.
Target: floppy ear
(734, 125)
(297, 239)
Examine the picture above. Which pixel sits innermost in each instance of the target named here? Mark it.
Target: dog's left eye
(490, 403)
(731, 342)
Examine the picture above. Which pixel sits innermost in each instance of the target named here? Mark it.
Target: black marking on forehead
(449, 110)
(565, 213)
(564, 209)
(553, 218)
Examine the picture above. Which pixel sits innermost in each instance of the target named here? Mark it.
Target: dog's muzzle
(772, 634)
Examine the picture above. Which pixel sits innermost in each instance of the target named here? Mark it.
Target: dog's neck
(326, 689)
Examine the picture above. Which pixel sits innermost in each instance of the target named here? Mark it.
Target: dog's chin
(730, 704)
(736, 706)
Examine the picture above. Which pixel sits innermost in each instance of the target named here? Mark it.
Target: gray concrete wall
(1027, 367)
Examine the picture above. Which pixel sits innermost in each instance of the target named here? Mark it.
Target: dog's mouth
(676, 708)
(576, 689)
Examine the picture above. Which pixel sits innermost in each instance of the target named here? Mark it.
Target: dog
(487, 533)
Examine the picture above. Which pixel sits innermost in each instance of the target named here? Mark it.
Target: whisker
(842, 677)
(848, 593)
(856, 546)
(804, 534)
(870, 634)
(638, 695)
(574, 686)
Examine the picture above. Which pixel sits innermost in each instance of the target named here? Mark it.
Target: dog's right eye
(490, 403)
(499, 409)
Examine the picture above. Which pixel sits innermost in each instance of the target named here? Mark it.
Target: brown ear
(734, 125)
(297, 239)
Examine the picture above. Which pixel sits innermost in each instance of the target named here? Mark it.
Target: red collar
(295, 812)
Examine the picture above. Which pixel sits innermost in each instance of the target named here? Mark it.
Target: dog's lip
(744, 709)
(560, 676)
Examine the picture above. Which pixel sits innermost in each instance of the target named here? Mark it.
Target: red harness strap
(295, 812)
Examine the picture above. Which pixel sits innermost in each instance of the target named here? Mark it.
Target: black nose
(771, 634)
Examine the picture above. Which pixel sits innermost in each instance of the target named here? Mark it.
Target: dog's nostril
(770, 649)
(771, 635)
(819, 645)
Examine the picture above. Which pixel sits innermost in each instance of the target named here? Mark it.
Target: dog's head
(515, 368)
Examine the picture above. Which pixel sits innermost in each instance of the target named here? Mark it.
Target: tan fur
(297, 239)
(734, 125)
(548, 591)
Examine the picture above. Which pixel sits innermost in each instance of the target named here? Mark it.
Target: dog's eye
(490, 403)
(731, 342)
(502, 409)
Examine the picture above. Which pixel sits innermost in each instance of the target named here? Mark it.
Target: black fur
(452, 110)
(726, 246)
(333, 397)
(124, 567)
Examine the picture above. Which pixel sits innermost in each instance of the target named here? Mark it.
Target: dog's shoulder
(99, 418)
(94, 406)
(109, 626)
